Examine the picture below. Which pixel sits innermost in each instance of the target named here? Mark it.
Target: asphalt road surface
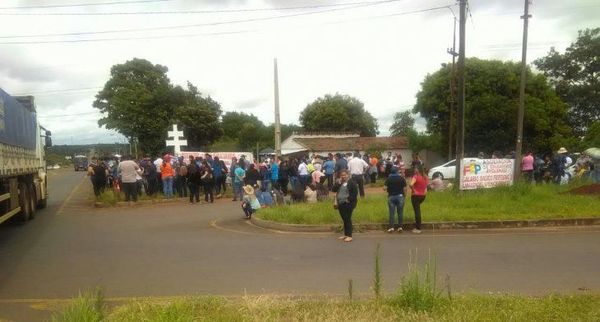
(180, 249)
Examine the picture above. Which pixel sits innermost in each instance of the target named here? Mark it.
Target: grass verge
(271, 308)
(519, 202)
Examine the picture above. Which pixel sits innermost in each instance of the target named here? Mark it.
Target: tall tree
(575, 76)
(138, 102)
(199, 117)
(247, 129)
(492, 93)
(403, 123)
(338, 113)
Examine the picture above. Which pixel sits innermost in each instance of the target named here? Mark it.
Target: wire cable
(82, 4)
(305, 7)
(196, 25)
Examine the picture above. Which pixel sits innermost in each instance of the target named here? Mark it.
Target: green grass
(502, 203)
(110, 197)
(270, 308)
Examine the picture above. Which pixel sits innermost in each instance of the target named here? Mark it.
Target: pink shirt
(420, 185)
(527, 163)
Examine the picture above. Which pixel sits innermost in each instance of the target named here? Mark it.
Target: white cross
(176, 143)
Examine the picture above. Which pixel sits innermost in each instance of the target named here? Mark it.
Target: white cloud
(380, 60)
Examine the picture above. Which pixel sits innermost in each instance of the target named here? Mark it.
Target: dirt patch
(590, 189)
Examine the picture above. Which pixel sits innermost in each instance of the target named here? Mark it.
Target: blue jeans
(396, 204)
(293, 182)
(237, 191)
(168, 186)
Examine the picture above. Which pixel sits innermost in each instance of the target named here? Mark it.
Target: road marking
(62, 206)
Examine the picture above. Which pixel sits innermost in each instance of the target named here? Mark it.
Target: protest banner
(486, 173)
(224, 156)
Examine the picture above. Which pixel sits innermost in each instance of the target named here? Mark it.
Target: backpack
(183, 171)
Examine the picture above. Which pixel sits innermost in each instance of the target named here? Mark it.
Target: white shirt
(357, 166)
(303, 169)
(157, 163)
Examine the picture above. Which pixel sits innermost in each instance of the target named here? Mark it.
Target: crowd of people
(559, 168)
(271, 182)
(304, 179)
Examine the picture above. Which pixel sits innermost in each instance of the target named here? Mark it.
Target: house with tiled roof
(303, 144)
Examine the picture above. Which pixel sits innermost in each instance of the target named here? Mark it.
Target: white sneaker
(416, 231)
(399, 229)
(391, 230)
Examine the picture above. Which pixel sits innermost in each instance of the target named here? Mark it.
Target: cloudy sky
(61, 51)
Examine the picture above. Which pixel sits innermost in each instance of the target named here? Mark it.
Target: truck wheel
(32, 202)
(24, 203)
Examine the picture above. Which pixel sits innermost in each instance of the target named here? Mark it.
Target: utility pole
(460, 128)
(521, 113)
(452, 51)
(277, 120)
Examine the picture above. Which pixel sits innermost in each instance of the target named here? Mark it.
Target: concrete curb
(431, 226)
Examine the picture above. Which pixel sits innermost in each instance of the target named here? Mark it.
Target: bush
(87, 307)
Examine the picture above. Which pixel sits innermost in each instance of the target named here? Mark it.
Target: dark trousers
(248, 211)
(345, 210)
(181, 186)
(194, 191)
(361, 185)
(218, 184)
(99, 185)
(130, 190)
(208, 191)
(283, 185)
(416, 203)
(374, 177)
(304, 181)
(528, 176)
(329, 179)
(152, 185)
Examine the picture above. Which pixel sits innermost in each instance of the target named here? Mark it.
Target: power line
(200, 34)
(82, 4)
(198, 25)
(192, 11)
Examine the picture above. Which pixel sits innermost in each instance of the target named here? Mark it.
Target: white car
(447, 170)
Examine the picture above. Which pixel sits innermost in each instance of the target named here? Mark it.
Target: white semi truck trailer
(23, 180)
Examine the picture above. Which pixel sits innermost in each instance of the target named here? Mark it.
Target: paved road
(179, 249)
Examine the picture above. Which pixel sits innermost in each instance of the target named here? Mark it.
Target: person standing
(345, 200)
(340, 164)
(274, 172)
(373, 162)
(303, 174)
(182, 186)
(527, 167)
(208, 182)
(395, 185)
(225, 172)
(158, 164)
(357, 167)
(128, 170)
(265, 176)
(418, 186)
(167, 173)
(239, 176)
(558, 165)
(329, 169)
(218, 176)
(99, 175)
(293, 172)
(193, 180)
(284, 174)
